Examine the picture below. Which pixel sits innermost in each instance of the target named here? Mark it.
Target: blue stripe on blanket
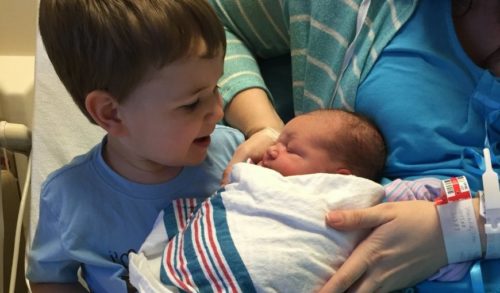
(171, 222)
(229, 250)
(170, 219)
(206, 235)
(165, 279)
(213, 261)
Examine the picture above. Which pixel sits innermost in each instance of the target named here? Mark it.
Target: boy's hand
(253, 148)
(405, 247)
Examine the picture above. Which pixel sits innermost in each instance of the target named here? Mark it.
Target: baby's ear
(344, 171)
(103, 108)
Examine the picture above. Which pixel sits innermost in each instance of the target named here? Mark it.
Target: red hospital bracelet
(458, 221)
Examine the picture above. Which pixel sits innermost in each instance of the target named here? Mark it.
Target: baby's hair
(358, 142)
(112, 45)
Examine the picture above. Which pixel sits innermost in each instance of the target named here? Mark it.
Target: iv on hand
(491, 186)
(491, 207)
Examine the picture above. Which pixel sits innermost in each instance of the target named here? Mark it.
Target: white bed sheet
(60, 130)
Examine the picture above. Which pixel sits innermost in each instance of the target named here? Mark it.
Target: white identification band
(490, 207)
(458, 221)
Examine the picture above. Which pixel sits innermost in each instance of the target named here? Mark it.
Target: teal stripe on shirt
(317, 34)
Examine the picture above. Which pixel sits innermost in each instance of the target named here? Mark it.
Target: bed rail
(15, 138)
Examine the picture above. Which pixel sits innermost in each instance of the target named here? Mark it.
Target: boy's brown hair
(111, 45)
(358, 142)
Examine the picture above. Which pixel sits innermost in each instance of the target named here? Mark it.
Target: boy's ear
(103, 108)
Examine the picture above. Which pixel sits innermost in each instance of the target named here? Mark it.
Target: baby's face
(297, 150)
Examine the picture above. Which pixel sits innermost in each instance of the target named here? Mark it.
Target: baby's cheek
(291, 167)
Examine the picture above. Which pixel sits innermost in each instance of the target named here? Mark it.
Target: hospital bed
(61, 132)
(14, 138)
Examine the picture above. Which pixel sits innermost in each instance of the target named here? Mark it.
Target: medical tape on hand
(458, 221)
(271, 132)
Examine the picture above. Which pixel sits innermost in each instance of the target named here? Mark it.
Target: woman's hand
(253, 148)
(405, 247)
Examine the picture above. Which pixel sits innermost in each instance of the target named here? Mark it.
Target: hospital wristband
(458, 221)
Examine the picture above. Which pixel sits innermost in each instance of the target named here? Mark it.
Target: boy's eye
(216, 89)
(192, 105)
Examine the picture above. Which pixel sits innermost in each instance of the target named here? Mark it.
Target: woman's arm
(405, 247)
(251, 111)
(253, 29)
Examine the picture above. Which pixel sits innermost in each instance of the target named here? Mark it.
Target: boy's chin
(196, 160)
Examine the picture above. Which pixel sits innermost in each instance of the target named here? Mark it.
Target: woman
(425, 71)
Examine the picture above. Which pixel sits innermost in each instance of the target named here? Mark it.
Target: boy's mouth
(202, 141)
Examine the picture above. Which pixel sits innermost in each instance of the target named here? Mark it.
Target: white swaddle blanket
(263, 232)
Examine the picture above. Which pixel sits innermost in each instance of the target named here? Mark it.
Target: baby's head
(114, 45)
(328, 141)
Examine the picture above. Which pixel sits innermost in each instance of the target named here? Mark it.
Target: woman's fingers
(405, 246)
(359, 261)
(357, 219)
(346, 276)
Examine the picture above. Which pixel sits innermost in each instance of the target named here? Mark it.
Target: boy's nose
(217, 112)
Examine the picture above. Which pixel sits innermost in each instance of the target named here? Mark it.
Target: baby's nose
(274, 151)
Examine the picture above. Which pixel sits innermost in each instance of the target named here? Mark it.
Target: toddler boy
(146, 72)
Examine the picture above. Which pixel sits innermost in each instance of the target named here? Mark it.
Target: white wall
(18, 22)
(17, 50)
(17, 63)
(16, 88)
(17, 27)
